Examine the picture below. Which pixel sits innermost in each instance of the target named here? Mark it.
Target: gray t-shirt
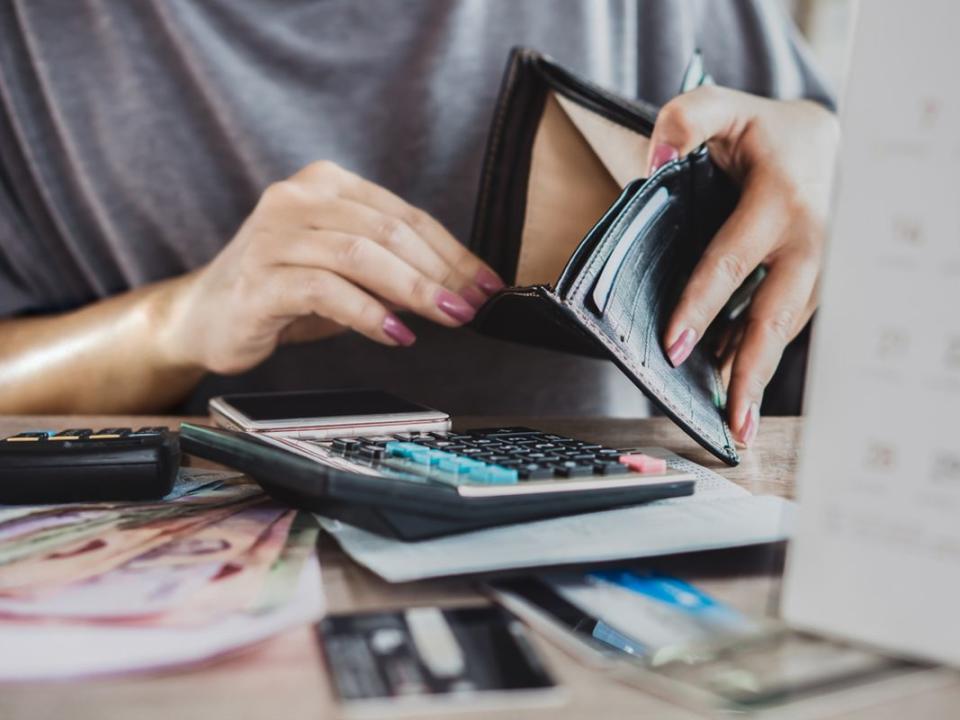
(135, 136)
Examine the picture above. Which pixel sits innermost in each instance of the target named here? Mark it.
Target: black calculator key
(109, 434)
(610, 468)
(371, 452)
(579, 457)
(151, 430)
(34, 436)
(511, 432)
(573, 470)
(345, 445)
(72, 434)
(533, 471)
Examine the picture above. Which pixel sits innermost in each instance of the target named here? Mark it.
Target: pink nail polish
(474, 296)
(751, 424)
(682, 347)
(455, 306)
(488, 281)
(396, 330)
(662, 154)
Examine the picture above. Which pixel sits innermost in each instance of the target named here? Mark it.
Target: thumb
(689, 120)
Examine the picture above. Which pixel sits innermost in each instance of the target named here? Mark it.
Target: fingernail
(474, 296)
(396, 330)
(455, 306)
(488, 281)
(662, 154)
(751, 424)
(682, 347)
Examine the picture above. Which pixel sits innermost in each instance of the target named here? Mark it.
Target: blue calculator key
(420, 455)
(501, 475)
(456, 464)
(401, 449)
(436, 456)
(479, 474)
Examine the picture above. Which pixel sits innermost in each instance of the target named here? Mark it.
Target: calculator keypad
(494, 456)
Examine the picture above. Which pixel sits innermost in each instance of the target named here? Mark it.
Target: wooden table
(283, 678)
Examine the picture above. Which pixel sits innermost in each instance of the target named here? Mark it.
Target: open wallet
(595, 258)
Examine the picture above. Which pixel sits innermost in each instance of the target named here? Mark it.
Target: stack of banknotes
(121, 587)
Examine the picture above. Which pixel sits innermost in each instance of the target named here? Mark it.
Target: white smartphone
(321, 414)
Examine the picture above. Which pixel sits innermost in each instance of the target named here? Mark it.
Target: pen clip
(695, 75)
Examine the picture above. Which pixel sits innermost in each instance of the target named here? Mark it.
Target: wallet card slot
(635, 231)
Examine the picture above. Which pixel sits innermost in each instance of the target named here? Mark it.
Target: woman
(344, 139)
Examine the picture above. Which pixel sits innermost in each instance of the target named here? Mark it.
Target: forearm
(112, 356)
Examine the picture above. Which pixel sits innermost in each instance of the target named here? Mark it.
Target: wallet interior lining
(578, 165)
(622, 151)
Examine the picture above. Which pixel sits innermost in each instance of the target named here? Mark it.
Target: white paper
(720, 514)
(877, 556)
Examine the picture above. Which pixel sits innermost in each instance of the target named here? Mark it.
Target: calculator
(87, 465)
(425, 484)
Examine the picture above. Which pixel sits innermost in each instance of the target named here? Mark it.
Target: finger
(447, 246)
(696, 117)
(369, 265)
(780, 308)
(742, 243)
(352, 217)
(299, 292)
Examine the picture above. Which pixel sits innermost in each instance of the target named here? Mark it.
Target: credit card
(428, 654)
(651, 615)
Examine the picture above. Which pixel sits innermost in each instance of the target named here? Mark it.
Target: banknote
(156, 581)
(239, 582)
(114, 544)
(281, 582)
(49, 527)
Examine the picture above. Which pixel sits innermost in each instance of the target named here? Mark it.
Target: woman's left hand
(782, 155)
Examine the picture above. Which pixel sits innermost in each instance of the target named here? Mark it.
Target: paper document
(720, 514)
(876, 556)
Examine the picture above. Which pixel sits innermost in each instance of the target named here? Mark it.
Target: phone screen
(320, 404)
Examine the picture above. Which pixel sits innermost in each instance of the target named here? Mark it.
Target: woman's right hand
(322, 251)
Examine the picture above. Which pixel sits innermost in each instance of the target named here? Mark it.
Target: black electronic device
(386, 494)
(83, 465)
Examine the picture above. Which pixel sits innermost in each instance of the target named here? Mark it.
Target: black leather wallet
(596, 258)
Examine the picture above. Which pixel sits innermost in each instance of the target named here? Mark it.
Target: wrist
(166, 315)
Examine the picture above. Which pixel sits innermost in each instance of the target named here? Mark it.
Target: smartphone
(318, 414)
(426, 659)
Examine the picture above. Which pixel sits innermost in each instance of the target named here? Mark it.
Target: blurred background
(826, 25)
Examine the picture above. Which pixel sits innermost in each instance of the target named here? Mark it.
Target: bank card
(401, 661)
(651, 615)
